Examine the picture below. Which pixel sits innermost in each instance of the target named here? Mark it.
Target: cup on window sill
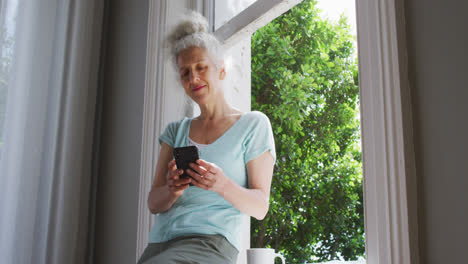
(263, 256)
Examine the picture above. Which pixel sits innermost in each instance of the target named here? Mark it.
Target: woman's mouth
(197, 88)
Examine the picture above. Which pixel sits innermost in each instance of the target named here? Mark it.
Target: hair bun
(192, 31)
(191, 23)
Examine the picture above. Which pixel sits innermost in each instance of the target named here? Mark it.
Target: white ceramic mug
(262, 256)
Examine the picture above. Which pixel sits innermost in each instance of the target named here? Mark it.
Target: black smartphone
(184, 156)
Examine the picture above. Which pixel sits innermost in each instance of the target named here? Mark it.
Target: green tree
(6, 53)
(304, 77)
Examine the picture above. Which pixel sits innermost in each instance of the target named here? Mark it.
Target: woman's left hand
(207, 176)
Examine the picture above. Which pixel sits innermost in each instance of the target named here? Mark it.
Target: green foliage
(304, 77)
(6, 53)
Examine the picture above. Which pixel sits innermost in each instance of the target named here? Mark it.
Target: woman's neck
(218, 110)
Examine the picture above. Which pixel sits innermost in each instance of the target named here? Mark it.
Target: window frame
(390, 184)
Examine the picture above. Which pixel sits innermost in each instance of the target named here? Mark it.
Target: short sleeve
(259, 139)
(169, 134)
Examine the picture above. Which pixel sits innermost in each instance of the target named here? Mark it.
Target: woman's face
(199, 75)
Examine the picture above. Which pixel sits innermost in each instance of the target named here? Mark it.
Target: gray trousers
(203, 249)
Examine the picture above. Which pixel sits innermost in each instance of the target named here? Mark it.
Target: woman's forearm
(160, 199)
(253, 202)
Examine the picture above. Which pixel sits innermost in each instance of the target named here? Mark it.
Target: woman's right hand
(176, 184)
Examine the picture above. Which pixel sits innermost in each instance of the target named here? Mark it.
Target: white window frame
(390, 186)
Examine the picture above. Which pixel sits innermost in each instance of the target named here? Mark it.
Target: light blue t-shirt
(199, 211)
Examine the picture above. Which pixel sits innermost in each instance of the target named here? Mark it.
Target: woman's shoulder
(256, 116)
(255, 120)
(175, 125)
(174, 132)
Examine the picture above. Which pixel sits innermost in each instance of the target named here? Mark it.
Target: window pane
(229, 9)
(305, 79)
(7, 27)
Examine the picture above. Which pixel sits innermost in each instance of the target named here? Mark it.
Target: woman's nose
(194, 77)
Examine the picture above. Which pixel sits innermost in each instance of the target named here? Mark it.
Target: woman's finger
(202, 178)
(178, 188)
(207, 166)
(175, 174)
(171, 165)
(182, 181)
(198, 169)
(201, 185)
(177, 180)
(206, 181)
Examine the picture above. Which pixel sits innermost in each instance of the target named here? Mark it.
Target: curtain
(48, 89)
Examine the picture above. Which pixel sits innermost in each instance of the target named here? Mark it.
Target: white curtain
(48, 86)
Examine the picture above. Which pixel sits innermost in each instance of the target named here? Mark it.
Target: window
(307, 84)
(388, 157)
(6, 56)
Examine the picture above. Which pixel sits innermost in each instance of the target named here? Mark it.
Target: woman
(200, 223)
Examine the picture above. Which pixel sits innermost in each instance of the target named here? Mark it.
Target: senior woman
(198, 218)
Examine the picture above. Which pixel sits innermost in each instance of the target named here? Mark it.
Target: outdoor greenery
(305, 79)
(6, 43)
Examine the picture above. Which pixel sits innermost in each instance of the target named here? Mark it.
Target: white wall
(237, 82)
(237, 92)
(438, 58)
(175, 100)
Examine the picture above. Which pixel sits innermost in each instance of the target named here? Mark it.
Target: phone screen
(184, 156)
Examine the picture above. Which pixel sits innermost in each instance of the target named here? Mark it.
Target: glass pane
(227, 9)
(304, 77)
(7, 32)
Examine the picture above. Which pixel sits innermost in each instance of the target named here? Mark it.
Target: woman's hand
(254, 200)
(207, 176)
(176, 184)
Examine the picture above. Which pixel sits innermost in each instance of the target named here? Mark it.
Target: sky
(332, 9)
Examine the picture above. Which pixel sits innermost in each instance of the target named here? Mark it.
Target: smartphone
(184, 156)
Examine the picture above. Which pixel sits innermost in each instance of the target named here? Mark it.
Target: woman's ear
(222, 72)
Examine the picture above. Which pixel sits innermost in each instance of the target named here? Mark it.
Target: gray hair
(192, 31)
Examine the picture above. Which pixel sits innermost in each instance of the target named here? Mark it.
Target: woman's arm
(254, 200)
(167, 186)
